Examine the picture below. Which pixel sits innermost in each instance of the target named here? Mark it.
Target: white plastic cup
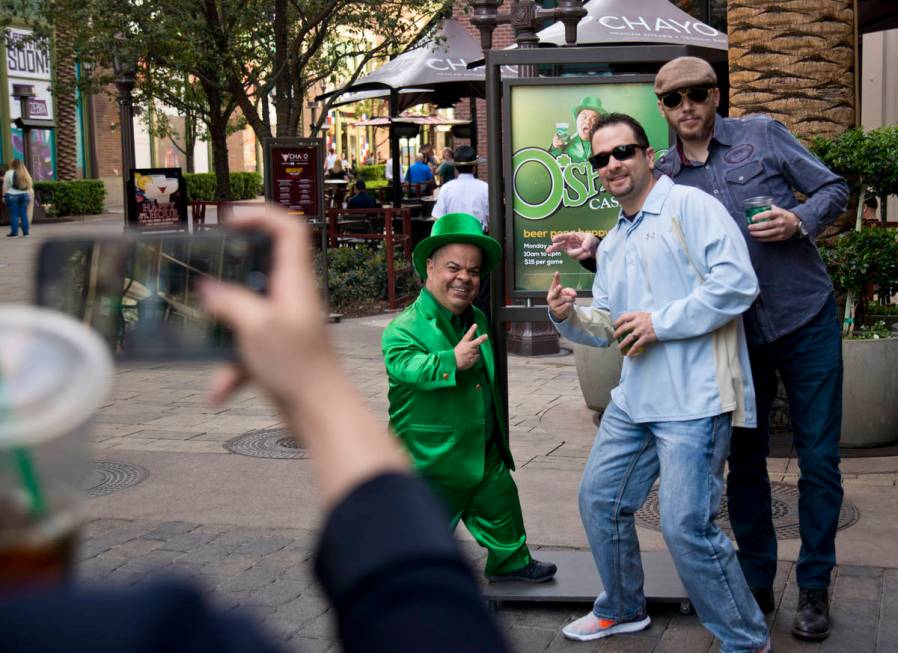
(54, 374)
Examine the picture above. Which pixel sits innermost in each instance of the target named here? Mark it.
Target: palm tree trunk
(66, 138)
(795, 61)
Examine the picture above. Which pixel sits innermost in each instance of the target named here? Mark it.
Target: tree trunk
(66, 136)
(794, 60)
(218, 134)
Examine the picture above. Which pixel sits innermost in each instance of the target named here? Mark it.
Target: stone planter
(869, 392)
(598, 370)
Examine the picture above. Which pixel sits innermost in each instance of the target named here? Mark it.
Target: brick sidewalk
(268, 572)
(245, 527)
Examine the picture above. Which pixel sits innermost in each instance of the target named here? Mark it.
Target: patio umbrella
(637, 21)
(440, 65)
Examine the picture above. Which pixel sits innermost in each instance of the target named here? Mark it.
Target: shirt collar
(720, 134)
(437, 308)
(654, 202)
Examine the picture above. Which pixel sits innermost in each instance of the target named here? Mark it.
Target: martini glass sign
(157, 200)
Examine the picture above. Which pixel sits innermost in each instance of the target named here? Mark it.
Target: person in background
(419, 172)
(388, 170)
(429, 157)
(446, 172)
(387, 563)
(17, 193)
(465, 194)
(362, 198)
(868, 213)
(329, 159)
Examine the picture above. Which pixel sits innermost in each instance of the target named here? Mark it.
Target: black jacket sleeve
(396, 577)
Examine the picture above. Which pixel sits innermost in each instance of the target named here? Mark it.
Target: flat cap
(683, 72)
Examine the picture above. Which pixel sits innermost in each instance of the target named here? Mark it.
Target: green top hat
(589, 102)
(457, 228)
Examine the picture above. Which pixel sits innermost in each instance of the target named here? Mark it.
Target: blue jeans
(17, 206)
(809, 361)
(689, 455)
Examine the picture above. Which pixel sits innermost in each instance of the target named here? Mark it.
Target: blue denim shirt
(681, 259)
(757, 155)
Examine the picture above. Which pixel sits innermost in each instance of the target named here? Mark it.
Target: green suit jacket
(436, 410)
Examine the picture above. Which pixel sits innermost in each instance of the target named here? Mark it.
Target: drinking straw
(30, 482)
(24, 464)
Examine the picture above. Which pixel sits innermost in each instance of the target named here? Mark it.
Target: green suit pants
(491, 511)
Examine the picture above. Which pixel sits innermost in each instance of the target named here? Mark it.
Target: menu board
(293, 170)
(157, 199)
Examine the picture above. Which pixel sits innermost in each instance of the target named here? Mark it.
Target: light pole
(526, 18)
(124, 68)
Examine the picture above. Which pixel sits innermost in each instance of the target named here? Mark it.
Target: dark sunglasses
(621, 153)
(697, 94)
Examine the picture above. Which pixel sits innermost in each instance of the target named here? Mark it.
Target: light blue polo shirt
(683, 259)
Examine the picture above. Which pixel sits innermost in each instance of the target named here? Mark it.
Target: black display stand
(577, 581)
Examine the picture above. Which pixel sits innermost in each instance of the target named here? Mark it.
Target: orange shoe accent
(606, 623)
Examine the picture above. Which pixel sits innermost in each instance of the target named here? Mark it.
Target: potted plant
(860, 261)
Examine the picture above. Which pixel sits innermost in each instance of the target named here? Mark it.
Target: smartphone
(141, 293)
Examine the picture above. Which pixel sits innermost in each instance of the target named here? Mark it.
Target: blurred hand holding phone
(142, 293)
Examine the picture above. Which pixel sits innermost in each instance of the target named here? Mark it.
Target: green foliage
(867, 160)
(79, 197)
(203, 186)
(359, 274)
(371, 173)
(876, 331)
(863, 258)
(878, 308)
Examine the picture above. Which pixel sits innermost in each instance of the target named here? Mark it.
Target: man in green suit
(444, 398)
(578, 146)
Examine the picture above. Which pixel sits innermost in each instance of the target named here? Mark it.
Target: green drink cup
(755, 205)
(626, 350)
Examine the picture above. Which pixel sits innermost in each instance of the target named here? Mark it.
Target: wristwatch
(801, 232)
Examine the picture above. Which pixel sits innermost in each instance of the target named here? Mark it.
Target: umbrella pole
(473, 110)
(394, 149)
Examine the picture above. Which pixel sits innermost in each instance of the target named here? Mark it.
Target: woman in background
(17, 188)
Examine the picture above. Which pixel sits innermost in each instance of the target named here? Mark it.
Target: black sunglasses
(621, 153)
(697, 94)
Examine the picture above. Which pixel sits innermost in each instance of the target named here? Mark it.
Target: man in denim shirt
(792, 327)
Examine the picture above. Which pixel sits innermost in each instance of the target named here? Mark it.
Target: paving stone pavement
(245, 528)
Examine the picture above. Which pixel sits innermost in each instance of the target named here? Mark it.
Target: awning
(383, 121)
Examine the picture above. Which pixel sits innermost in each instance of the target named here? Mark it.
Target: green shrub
(200, 186)
(359, 274)
(78, 197)
(370, 173)
(203, 186)
(863, 258)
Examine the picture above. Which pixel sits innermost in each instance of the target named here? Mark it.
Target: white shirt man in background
(465, 193)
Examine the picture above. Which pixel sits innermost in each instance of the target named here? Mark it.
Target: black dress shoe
(764, 597)
(812, 619)
(534, 572)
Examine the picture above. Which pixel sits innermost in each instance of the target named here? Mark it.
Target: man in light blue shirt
(673, 279)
